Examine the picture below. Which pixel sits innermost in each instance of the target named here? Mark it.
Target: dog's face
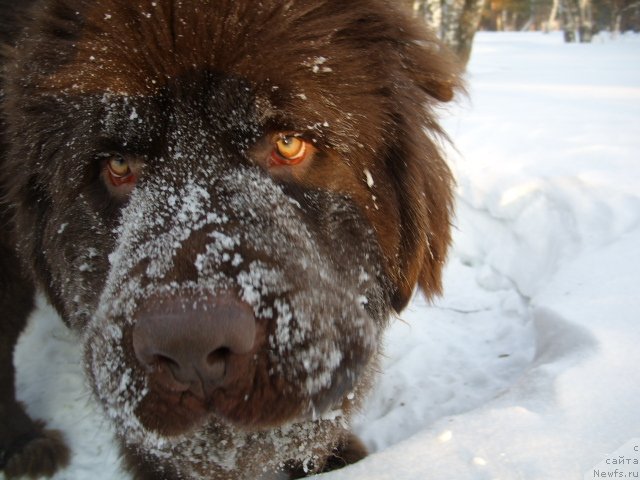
(228, 197)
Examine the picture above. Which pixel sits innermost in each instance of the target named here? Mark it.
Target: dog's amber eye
(119, 171)
(289, 150)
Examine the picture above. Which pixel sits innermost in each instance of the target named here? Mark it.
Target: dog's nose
(189, 344)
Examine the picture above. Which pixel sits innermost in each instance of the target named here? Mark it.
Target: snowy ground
(528, 368)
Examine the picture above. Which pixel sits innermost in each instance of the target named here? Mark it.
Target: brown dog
(227, 199)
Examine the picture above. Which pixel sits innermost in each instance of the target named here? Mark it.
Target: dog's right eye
(119, 171)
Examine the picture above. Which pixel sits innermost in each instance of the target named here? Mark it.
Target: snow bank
(527, 368)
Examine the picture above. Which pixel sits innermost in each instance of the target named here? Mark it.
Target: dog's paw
(40, 453)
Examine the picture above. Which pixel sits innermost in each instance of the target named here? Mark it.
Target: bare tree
(623, 15)
(569, 16)
(585, 30)
(577, 19)
(455, 21)
(553, 16)
(469, 21)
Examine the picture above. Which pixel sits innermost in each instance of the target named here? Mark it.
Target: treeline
(579, 19)
(456, 21)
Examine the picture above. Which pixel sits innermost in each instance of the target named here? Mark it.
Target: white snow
(527, 368)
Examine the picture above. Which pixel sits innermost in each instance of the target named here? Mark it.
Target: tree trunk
(569, 15)
(431, 11)
(586, 21)
(451, 23)
(616, 23)
(552, 15)
(454, 21)
(469, 22)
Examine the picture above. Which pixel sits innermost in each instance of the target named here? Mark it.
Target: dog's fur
(313, 257)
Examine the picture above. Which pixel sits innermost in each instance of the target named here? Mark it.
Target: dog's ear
(424, 186)
(429, 75)
(433, 67)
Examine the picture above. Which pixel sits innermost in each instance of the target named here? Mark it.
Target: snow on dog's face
(208, 236)
(230, 197)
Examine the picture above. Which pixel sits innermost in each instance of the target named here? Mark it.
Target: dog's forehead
(139, 48)
(303, 66)
(136, 49)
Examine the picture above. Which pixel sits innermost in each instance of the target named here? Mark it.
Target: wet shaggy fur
(230, 301)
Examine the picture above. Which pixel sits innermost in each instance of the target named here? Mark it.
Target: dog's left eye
(289, 150)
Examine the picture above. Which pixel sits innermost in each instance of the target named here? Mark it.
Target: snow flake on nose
(185, 211)
(194, 200)
(220, 250)
(259, 282)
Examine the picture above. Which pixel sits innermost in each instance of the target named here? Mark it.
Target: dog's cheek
(75, 245)
(113, 374)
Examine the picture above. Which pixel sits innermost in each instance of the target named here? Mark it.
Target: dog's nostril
(194, 345)
(217, 356)
(164, 362)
